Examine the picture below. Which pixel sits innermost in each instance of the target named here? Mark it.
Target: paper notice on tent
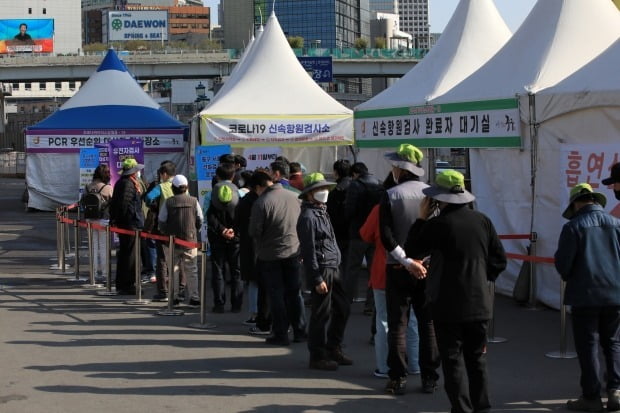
(121, 149)
(591, 164)
(290, 131)
(71, 140)
(89, 160)
(484, 124)
(261, 157)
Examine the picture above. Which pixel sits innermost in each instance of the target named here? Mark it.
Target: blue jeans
(593, 326)
(381, 345)
(283, 282)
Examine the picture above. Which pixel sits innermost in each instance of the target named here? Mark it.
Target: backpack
(93, 205)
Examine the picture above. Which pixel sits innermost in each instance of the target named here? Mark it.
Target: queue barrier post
(491, 338)
(91, 257)
(62, 262)
(170, 311)
(562, 354)
(137, 266)
(533, 292)
(76, 243)
(108, 249)
(57, 265)
(68, 252)
(203, 291)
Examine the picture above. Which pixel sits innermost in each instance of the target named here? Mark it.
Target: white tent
(270, 100)
(553, 42)
(475, 32)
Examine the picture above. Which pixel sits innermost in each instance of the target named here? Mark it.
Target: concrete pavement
(65, 349)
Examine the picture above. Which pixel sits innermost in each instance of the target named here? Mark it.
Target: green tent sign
(484, 124)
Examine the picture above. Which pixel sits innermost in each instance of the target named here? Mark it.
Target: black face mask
(617, 194)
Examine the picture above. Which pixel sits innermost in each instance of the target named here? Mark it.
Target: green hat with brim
(580, 191)
(314, 181)
(130, 166)
(449, 187)
(407, 157)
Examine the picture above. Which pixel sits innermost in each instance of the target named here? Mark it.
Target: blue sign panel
(320, 68)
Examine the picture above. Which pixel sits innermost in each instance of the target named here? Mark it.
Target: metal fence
(12, 163)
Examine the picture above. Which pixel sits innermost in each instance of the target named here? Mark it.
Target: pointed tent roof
(272, 81)
(556, 39)
(473, 35)
(111, 98)
(596, 84)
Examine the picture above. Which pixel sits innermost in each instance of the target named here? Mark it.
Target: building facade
(413, 15)
(237, 21)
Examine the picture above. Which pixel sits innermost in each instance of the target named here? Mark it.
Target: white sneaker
(379, 374)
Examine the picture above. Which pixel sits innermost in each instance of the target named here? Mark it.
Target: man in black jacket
(466, 254)
(126, 213)
(321, 258)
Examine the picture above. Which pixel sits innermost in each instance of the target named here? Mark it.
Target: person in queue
(465, 254)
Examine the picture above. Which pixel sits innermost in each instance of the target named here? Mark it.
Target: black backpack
(369, 198)
(93, 205)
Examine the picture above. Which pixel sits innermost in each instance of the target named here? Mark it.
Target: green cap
(313, 181)
(313, 178)
(410, 153)
(581, 190)
(450, 179)
(449, 187)
(225, 194)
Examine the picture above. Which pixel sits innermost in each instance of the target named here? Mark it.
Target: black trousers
(402, 291)
(161, 269)
(463, 355)
(125, 263)
(222, 254)
(263, 315)
(330, 313)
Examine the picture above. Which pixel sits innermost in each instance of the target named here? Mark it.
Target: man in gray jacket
(273, 223)
(588, 259)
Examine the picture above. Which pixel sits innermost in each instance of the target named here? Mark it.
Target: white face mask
(321, 196)
(139, 174)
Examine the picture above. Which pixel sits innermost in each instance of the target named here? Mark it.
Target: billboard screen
(138, 25)
(26, 35)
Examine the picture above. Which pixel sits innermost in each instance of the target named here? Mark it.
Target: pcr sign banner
(138, 25)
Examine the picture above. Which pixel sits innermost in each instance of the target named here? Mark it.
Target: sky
(513, 11)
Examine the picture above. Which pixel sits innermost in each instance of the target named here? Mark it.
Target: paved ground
(65, 349)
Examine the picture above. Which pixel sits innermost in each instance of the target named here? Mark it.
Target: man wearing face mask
(405, 284)
(321, 258)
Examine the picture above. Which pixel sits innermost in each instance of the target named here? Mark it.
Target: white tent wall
(60, 185)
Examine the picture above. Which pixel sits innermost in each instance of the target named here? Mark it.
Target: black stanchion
(170, 311)
(491, 338)
(58, 245)
(108, 250)
(203, 292)
(138, 261)
(563, 353)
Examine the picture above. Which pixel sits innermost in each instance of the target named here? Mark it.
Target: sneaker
(258, 332)
(585, 405)
(153, 279)
(145, 279)
(160, 297)
(181, 294)
(396, 386)
(377, 373)
(250, 321)
(194, 303)
(429, 385)
(300, 337)
(323, 364)
(277, 341)
(613, 400)
(339, 357)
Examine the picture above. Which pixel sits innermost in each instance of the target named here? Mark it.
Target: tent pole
(533, 160)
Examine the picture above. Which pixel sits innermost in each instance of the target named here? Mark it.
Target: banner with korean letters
(591, 164)
(485, 124)
(299, 130)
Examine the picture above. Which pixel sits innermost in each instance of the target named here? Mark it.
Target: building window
(58, 85)
(27, 86)
(29, 10)
(72, 85)
(44, 10)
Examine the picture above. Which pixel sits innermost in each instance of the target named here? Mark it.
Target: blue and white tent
(110, 105)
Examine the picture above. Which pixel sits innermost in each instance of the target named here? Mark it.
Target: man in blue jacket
(588, 259)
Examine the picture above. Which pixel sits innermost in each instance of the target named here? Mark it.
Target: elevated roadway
(174, 66)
